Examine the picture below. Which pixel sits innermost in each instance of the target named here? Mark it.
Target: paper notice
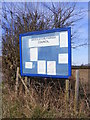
(64, 39)
(41, 64)
(51, 67)
(33, 54)
(63, 58)
(28, 65)
(44, 41)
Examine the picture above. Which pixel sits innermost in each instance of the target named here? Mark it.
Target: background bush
(26, 17)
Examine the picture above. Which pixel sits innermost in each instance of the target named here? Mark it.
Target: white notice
(41, 67)
(63, 58)
(28, 65)
(51, 67)
(44, 41)
(64, 39)
(33, 54)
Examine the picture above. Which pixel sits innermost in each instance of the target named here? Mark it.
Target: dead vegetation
(44, 100)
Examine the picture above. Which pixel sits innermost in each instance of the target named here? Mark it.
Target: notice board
(46, 53)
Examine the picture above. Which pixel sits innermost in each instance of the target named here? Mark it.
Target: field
(0, 86)
(0, 63)
(47, 99)
(83, 75)
(0, 68)
(84, 78)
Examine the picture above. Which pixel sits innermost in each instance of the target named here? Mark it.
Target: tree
(65, 15)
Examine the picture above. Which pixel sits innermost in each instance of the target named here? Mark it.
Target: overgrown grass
(44, 100)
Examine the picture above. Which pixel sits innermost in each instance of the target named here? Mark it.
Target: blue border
(44, 32)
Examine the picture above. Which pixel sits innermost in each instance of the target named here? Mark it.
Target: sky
(80, 54)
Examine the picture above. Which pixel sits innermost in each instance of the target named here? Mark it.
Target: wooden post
(28, 82)
(26, 85)
(67, 91)
(88, 81)
(76, 90)
(16, 86)
(23, 83)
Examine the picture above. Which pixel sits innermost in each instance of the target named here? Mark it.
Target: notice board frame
(44, 32)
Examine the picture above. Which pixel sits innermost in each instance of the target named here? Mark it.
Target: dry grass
(44, 100)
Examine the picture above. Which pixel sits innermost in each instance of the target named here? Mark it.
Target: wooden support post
(26, 85)
(23, 83)
(88, 81)
(67, 91)
(76, 90)
(16, 86)
(28, 82)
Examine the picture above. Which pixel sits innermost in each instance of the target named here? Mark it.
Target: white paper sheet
(64, 39)
(63, 58)
(44, 41)
(51, 67)
(33, 54)
(28, 65)
(41, 64)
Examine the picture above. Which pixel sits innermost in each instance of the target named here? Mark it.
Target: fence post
(26, 85)
(16, 86)
(76, 90)
(67, 91)
(28, 82)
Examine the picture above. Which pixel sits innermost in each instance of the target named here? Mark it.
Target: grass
(44, 100)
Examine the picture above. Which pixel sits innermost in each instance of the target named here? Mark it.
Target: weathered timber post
(28, 82)
(26, 85)
(16, 86)
(26, 88)
(76, 90)
(67, 91)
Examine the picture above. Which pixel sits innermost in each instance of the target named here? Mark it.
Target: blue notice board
(46, 53)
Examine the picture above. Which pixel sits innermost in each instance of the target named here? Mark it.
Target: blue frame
(44, 32)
